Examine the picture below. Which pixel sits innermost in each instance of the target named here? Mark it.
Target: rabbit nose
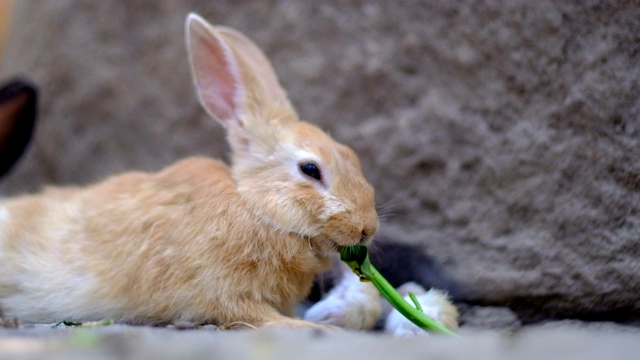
(365, 235)
(369, 226)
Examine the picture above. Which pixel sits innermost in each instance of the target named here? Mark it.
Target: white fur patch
(4, 214)
(351, 304)
(399, 325)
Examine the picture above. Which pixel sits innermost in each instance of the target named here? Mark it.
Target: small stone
(184, 325)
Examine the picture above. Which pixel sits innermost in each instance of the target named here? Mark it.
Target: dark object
(18, 110)
(401, 263)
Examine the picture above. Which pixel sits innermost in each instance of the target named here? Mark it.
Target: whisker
(373, 246)
(385, 208)
(388, 215)
(333, 246)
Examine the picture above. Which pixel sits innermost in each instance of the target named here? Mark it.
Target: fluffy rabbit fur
(199, 240)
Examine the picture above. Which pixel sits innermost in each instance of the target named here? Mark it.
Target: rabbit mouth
(333, 245)
(324, 245)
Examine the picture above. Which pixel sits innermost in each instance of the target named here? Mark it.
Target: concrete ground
(556, 340)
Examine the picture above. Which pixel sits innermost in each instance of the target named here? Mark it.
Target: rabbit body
(197, 241)
(151, 248)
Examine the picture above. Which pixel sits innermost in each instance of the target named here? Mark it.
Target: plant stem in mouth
(357, 257)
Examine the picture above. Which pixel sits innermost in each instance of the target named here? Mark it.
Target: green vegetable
(357, 257)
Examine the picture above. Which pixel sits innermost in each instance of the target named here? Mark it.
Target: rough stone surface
(489, 317)
(503, 136)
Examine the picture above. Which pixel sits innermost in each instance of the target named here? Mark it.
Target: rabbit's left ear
(18, 110)
(233, 77)
(253, 58)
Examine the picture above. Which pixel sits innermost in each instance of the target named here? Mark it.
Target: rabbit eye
(311, 170)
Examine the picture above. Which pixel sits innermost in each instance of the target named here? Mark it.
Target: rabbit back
(149, 248)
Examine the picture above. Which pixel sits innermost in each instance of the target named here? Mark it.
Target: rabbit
(198, 241)
(18, 109)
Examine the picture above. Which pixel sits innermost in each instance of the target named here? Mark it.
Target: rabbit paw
(435, 304)
(351, 305)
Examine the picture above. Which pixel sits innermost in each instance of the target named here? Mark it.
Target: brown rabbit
(197, 241)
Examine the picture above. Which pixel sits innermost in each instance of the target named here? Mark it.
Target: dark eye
(311, 170)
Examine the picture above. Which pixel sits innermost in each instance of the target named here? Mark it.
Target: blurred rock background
(502, 136)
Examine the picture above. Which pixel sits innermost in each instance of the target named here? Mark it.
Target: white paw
(351, 305)
(435, 304)
(399, 325)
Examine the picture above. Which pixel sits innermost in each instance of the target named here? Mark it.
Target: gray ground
(552, 341)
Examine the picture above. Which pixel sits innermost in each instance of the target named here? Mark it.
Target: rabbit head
(292, 174)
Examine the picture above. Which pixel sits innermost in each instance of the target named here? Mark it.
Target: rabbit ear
(232, 75)
(214, 69)
(259, 64)
(18, 108)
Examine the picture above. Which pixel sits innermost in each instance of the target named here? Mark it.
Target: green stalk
(357, 257)
(413, 298)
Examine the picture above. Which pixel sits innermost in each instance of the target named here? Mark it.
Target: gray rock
(503, 136)
(489, 317)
